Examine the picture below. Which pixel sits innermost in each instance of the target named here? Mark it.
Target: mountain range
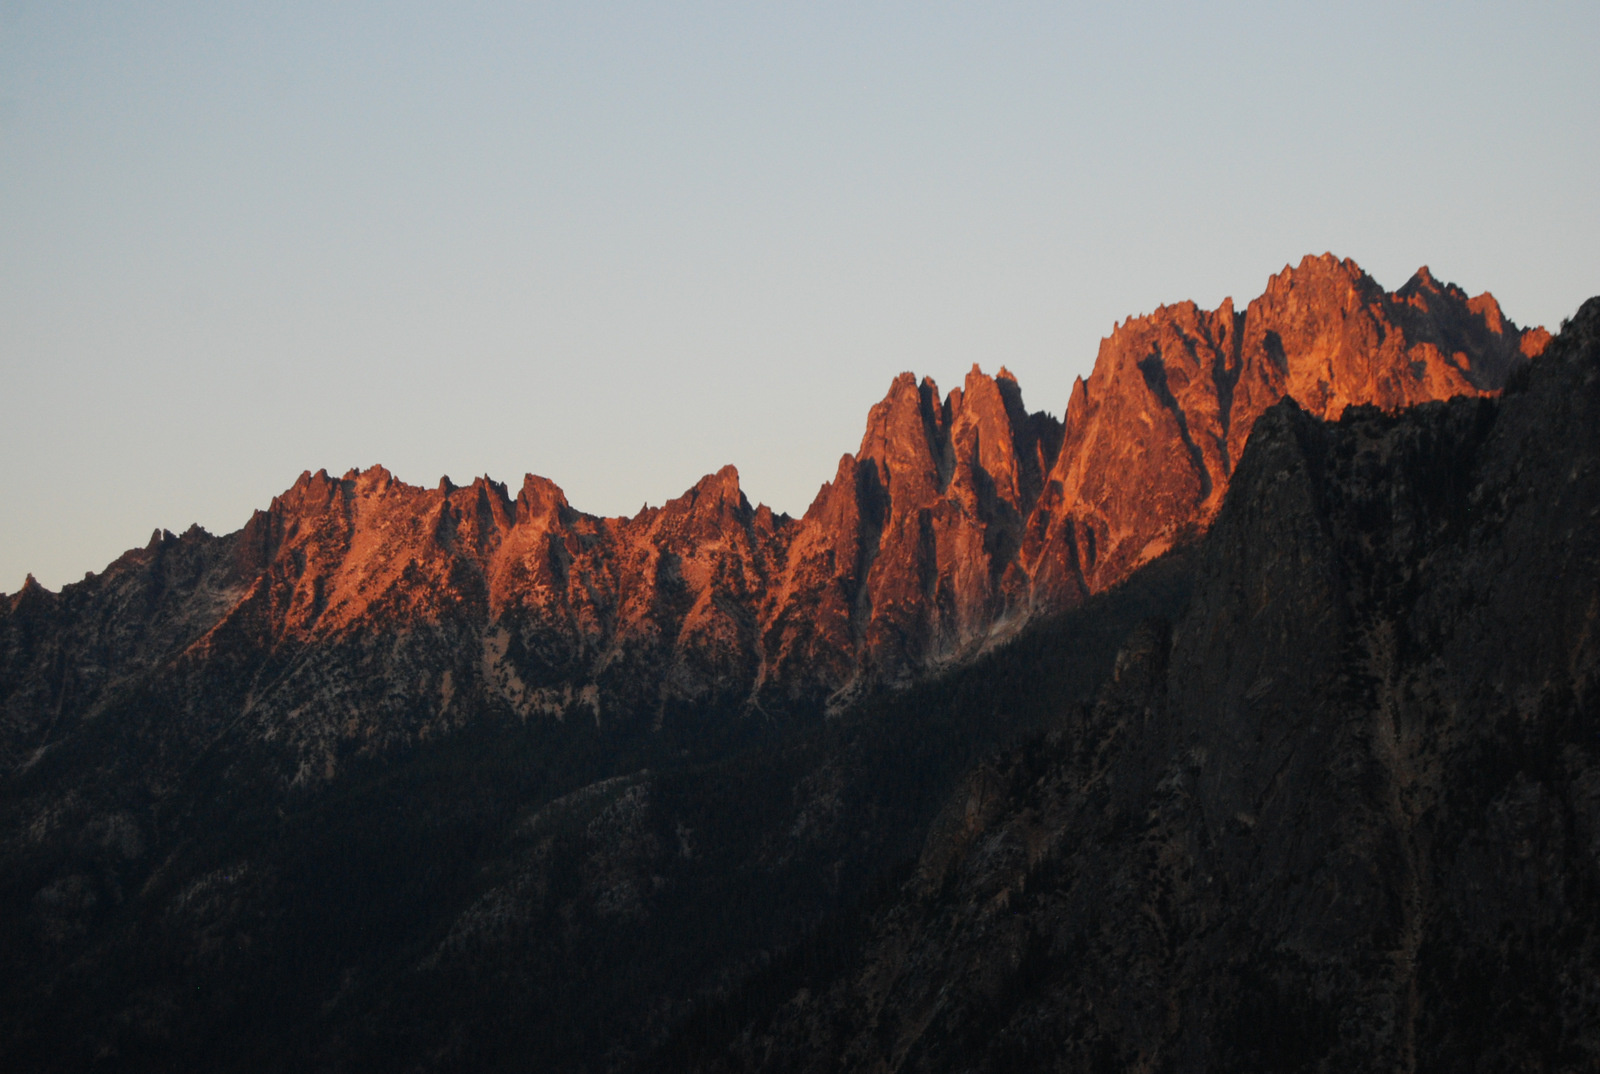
(1032, 741)
(959, 518)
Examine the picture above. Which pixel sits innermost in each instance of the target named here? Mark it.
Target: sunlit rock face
(359, 613)
(919, 531)
(1153, 436)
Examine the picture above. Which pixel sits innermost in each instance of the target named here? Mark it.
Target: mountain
(360, 614)
(1154, 435)
(1341, 813)
(392, 772)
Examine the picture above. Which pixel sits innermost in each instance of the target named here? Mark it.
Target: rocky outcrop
(361, 613)
(914, 544)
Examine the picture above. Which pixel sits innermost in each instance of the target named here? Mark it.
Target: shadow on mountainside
(512, 894)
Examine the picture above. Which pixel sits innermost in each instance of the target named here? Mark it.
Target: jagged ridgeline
(360, 614)
(447, 778)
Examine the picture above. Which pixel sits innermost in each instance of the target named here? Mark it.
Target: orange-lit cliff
(360, 613)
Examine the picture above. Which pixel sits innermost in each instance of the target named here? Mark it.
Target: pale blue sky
(621, 245)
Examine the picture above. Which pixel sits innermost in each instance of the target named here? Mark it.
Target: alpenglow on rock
(359, 613)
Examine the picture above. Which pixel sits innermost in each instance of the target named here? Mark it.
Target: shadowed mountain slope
(1341, 814)
(451, 777)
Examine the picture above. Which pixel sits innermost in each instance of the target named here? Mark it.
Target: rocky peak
(1152, 437)
(958, 518)
(540, 500)
(988, 438)
(906, 441)
(1352, 342)
(481, 514)
(1472, 326)
(715, 498)
(374, 479)
(31, 597)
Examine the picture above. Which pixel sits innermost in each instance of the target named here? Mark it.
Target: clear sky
(621, 245)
